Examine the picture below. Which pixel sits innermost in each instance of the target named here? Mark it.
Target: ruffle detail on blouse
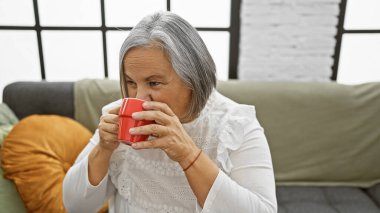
(125, 159)
(132, 187)
(162, 168)
(231, 135)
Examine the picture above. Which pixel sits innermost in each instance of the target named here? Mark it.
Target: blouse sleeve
(78, 193)
(247, 182)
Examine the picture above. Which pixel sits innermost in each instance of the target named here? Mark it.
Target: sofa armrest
(27, 98)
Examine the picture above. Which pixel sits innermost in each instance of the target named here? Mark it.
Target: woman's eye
(131, 83)
(153, 83)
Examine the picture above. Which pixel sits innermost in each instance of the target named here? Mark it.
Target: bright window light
(204, 13)
(362, 14)
(359, 59)
(16, 13)
(218, 45)
(114, 41)
(19, 59)
(126, 13)
(69, 13)
(72, 55)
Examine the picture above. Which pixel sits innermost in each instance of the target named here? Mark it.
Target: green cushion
(10, 200)
(319, 133)
(7, 120)
(4, 130)
(6, 115)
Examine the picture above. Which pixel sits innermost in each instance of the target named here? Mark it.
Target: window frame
(341, 31)
(233, 30)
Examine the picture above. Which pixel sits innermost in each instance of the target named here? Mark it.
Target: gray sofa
(284, 110)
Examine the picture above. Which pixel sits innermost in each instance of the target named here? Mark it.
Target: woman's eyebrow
(155, 77)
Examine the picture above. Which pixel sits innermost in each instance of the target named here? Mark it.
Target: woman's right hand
(98, 159)
(109, 129)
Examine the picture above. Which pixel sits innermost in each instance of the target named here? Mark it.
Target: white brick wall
(289, 40)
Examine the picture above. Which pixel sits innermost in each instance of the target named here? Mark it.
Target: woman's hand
(109, 129)
(169, 133)
(173, 139)
(98, 160)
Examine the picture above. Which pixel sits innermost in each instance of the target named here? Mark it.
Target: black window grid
(234, 31)
(341, 31)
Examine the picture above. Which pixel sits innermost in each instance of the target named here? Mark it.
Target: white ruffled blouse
(148, 181)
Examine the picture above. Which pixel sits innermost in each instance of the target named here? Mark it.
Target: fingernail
(145, 104)
(135, 115)
(132, 130)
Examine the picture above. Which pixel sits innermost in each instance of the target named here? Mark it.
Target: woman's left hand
(170, 135)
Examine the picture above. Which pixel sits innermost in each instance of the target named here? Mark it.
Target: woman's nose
(143, 95)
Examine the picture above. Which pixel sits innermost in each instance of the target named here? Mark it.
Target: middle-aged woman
(205, 152)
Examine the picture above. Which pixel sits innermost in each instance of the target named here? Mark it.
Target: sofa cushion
(7, 116)
(90, 95)
(7, 120)
(9, 197)
(324, 199)
(36, 156)
(319, 133)
(10, 200)
(27, 98)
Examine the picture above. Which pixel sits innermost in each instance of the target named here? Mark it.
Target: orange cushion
(36, 156)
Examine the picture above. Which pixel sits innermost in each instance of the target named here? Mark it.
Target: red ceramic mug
(128, 107)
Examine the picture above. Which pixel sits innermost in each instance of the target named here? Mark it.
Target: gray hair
(185, 49)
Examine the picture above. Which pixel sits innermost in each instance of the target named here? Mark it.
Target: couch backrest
(319, 133)
(27, 98)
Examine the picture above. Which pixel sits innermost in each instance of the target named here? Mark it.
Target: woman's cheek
(157, 96)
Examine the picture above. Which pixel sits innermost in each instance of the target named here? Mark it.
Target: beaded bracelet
(193, 161)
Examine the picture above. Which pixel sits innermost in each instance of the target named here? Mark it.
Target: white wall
(287, 39)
